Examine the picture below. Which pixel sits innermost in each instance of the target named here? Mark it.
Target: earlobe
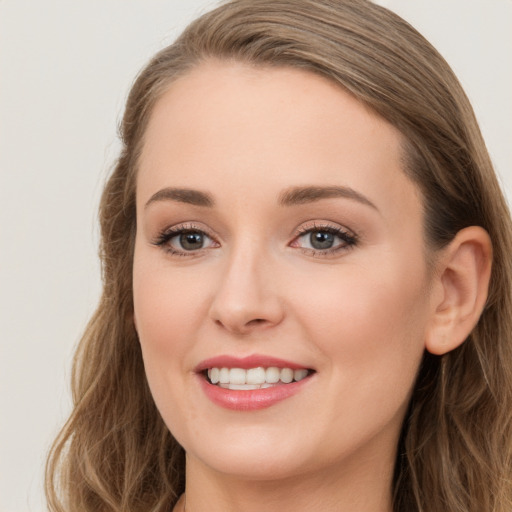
(460, 289)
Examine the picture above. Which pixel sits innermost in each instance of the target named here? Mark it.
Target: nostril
(256, 321)
(242, 328)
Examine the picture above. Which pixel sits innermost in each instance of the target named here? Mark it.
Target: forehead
(259, 130)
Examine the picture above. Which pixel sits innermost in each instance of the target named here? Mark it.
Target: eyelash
(348, 239)
(164, 238)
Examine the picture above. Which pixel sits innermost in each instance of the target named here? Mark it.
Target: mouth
(251, 383)
(250, 379)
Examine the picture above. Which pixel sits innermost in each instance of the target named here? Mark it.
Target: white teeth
(272, 375)
(237, 376)
(240, 387)
(214, 375)
(224, 376)
(255, 375)
(300, 374)
(254, 378)
(286, 375)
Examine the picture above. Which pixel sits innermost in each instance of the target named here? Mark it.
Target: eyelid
(164, 236)
(349, 238)
(323, 225)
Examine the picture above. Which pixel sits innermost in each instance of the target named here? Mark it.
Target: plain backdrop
(65, 69)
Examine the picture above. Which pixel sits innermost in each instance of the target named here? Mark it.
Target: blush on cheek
(363, 314)
(159, 311)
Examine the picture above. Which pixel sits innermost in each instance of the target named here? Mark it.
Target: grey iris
(321, 240)
(191, 241)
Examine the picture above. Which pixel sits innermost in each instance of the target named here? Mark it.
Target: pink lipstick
(251, 383)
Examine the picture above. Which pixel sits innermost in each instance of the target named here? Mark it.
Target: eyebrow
(290, 197)
(182, 195)
(302, 195)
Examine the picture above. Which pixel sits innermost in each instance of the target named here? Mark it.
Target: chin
(252, 457)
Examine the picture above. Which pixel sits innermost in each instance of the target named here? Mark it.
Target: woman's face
(277, 229)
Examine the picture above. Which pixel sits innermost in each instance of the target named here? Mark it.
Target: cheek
(167, 305)
(363, 299)
(369, 322)
(167, 309)
(369, 326)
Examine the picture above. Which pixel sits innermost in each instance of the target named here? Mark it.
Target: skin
(359, 317)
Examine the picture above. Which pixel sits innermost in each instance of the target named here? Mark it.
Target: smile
(251, 383)
(240, 379)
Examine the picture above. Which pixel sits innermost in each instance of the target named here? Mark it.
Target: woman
(307, 281)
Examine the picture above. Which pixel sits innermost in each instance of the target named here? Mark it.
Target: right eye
(184, 241)
(189, 240)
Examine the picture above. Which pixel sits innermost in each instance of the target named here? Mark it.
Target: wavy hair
(116, 454)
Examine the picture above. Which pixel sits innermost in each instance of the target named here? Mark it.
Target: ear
(460, 287)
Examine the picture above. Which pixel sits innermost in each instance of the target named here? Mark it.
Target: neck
(363, 489)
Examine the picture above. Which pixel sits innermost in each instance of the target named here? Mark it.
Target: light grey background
(65, 69)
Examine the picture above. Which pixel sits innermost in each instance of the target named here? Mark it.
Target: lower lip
(250, 400)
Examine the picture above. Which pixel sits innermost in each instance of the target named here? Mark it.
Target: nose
(247, 298)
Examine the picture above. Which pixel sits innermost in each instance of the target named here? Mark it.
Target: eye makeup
(324, 239)
(318, 239)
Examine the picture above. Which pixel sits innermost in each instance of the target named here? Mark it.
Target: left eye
(324, 240)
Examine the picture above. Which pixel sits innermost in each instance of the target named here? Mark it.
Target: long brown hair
(116, 454)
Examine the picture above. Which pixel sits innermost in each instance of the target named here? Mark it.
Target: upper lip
(252, 361)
